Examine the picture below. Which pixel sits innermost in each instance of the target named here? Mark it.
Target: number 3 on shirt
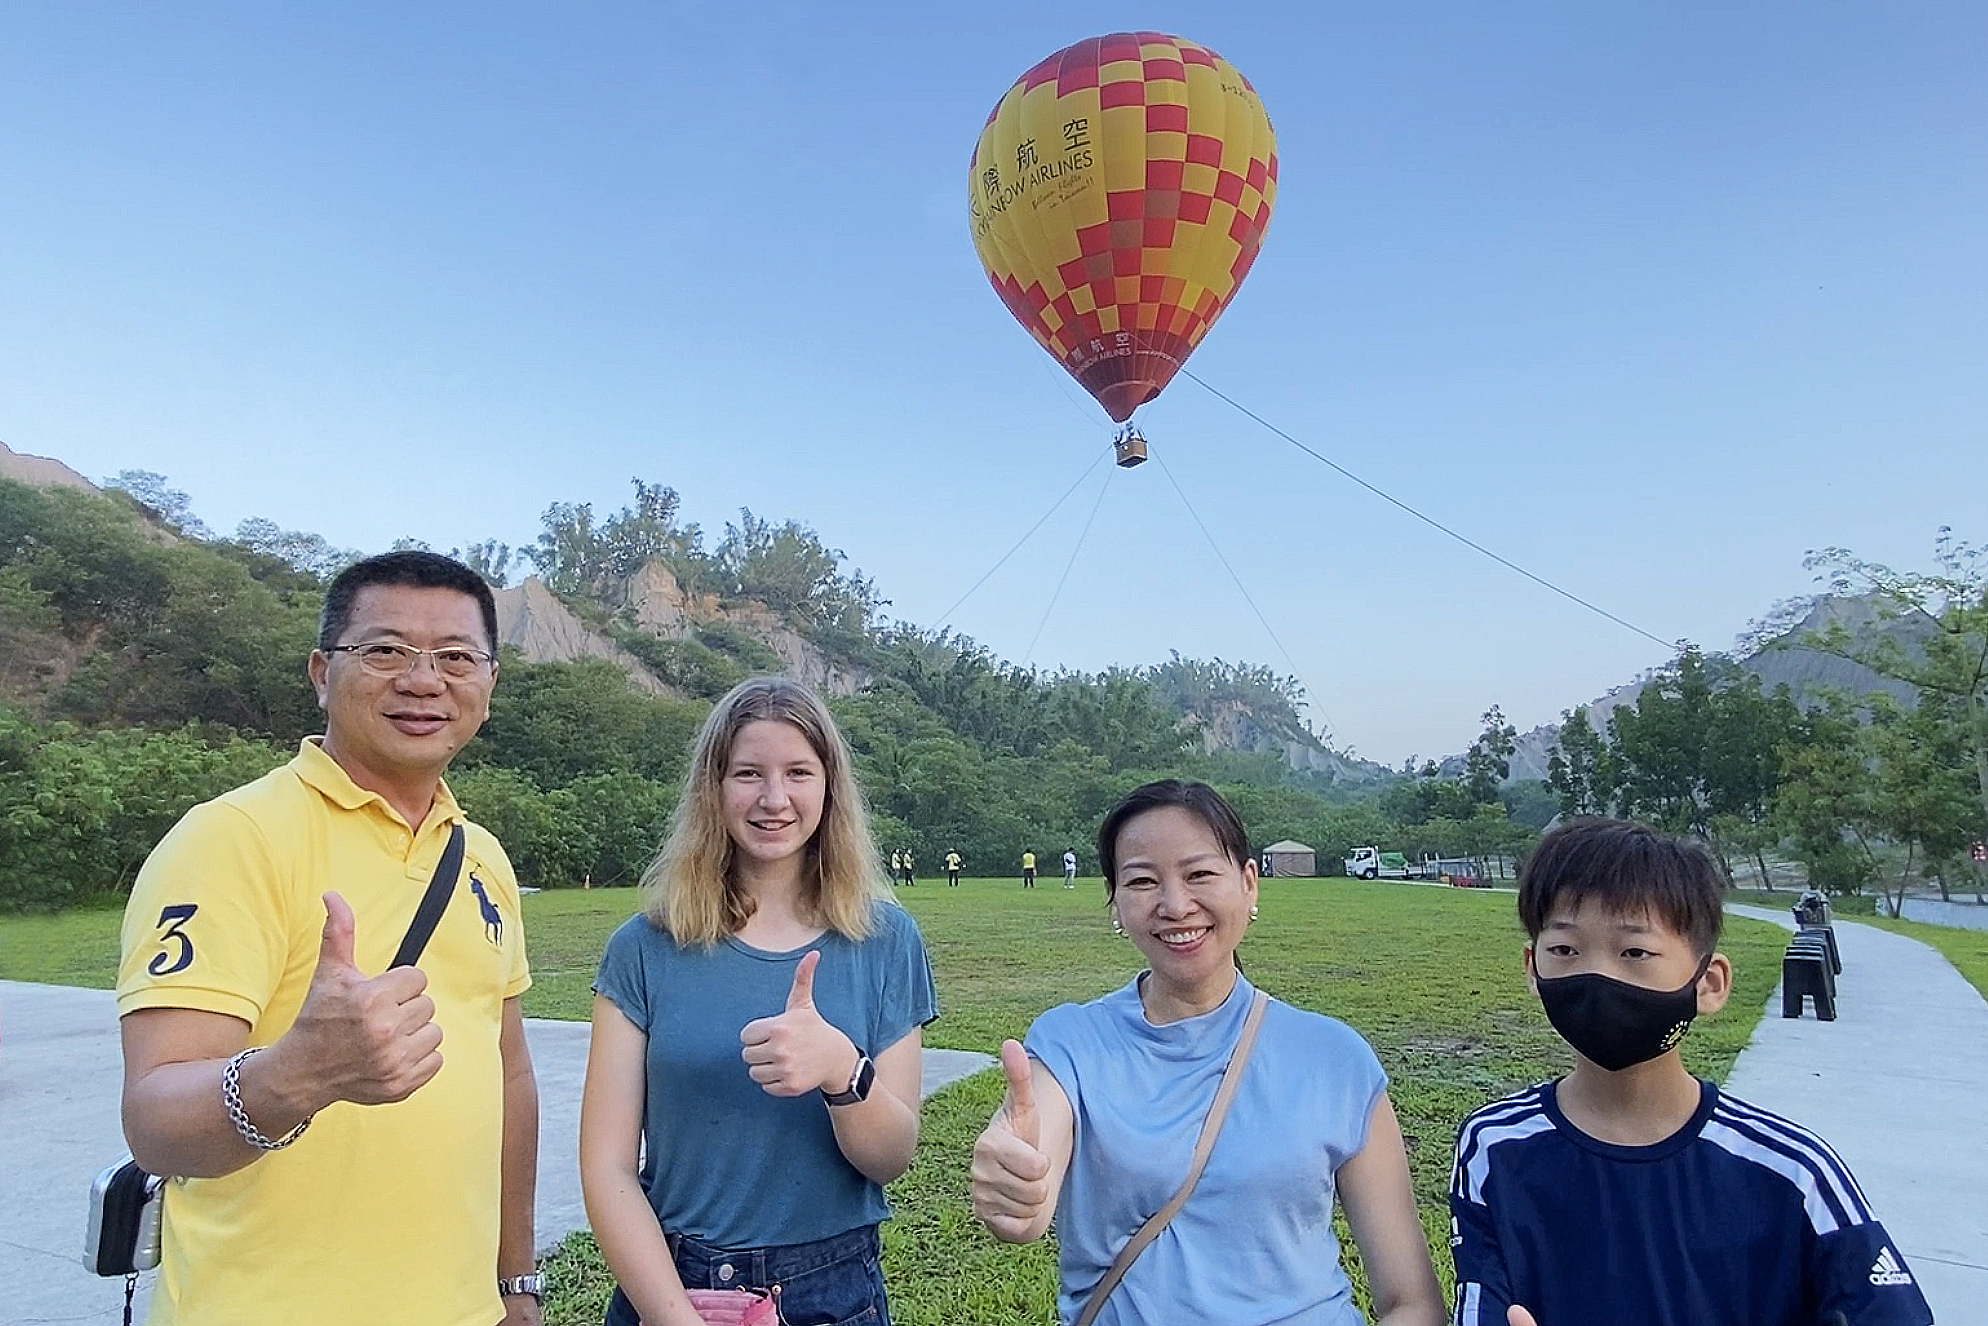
(169, 960)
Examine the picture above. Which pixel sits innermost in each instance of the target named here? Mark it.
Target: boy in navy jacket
(1630, 1192)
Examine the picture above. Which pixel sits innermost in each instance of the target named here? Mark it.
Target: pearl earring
(1252, 911)
(1116, 928)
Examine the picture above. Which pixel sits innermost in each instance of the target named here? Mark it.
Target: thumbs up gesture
(798, 1050)
(1010, 1171)
(370, 1040)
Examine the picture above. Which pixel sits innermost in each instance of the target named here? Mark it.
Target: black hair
(1197, 799)
(1627, 868)
(413, 568)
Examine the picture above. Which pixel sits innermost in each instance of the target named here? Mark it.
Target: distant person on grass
(1629, 1191)
(1069, 869)
(352, 1143)
(753, 1079)
(896, 867)
(910, 876)
(1105, 1106)
(953, 864)
(1028, 870)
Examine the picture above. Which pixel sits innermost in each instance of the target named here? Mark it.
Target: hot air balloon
(1119, 193)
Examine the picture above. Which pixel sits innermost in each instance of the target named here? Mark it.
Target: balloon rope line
(1430, 521)
(948, 614)
(1103, 488)
(1240, 588)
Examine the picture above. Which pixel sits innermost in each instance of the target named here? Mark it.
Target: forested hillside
(146, 664)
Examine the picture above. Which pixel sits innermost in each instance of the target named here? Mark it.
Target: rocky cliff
(654, 601)
(1234, 726)
(534, 620)
(40, 471)
(531, 618)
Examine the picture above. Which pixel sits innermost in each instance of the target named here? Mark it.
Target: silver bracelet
(231, 1098)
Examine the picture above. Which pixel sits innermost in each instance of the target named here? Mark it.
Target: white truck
(1372, 863)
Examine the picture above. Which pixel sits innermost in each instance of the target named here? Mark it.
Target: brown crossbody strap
(1211, 1128)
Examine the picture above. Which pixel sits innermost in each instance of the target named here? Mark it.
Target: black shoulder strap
(434, 902)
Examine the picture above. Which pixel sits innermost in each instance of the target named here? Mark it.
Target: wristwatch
(533, 1284)
(860, 1082)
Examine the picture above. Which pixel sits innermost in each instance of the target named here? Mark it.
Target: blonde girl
(753, 1078)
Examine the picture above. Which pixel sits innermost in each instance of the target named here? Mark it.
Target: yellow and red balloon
(1120, 192)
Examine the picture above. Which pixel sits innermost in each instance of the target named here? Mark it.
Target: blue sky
(1649, 299)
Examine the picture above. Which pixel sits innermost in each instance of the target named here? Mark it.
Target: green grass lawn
(1431, 976)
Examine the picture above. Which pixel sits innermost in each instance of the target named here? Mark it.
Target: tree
(1489, 761)
(1922, 789)
(571, 556)
(559, 722)
(1578, 767)
(1743, 767)
(1659, 747)
(788, 568)
(489, 559)
(1530, 803)
(1214, 690)
(1427, 797)
(1943, 648)
(309, 553)
(81, 809)
(1824, 804)
(169, 505)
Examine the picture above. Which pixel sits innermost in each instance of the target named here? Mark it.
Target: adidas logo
(1888, 1270)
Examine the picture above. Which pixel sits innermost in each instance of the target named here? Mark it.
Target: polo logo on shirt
(493, 920)
(1887, 1270)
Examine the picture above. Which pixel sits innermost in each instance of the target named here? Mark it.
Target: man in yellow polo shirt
(346, 1143)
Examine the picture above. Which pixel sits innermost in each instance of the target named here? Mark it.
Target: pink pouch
(734, 1307)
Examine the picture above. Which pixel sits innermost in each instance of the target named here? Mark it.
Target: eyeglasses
(383, 658)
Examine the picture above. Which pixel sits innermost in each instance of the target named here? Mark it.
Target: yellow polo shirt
(380, 1213)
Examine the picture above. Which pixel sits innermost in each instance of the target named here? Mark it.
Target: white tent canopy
(1290, 858)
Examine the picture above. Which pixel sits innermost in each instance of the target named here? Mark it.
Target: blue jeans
(835, 1282)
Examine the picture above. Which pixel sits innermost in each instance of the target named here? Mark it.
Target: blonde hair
(691, 889)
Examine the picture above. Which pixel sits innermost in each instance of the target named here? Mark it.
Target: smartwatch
(858, 1089)
(533, 1284)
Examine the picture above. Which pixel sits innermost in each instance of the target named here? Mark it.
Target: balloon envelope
(1119, 193)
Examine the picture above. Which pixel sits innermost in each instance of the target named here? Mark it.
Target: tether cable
(1242, 589)
(1054, 507)
(1103, 488)
(1430, 521)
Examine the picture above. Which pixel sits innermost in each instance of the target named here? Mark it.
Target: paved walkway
(60, 1076)
(1895, 1084)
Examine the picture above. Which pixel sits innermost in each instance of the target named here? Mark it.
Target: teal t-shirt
(724, 1162)
(1254, 1245)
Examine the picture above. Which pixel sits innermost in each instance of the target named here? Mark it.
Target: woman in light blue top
(1105, 1105)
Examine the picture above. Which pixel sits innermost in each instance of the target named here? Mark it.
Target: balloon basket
(1130, 447)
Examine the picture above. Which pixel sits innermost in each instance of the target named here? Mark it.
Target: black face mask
(1615, 1024)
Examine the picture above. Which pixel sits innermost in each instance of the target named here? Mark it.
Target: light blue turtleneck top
(1254, 1245)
